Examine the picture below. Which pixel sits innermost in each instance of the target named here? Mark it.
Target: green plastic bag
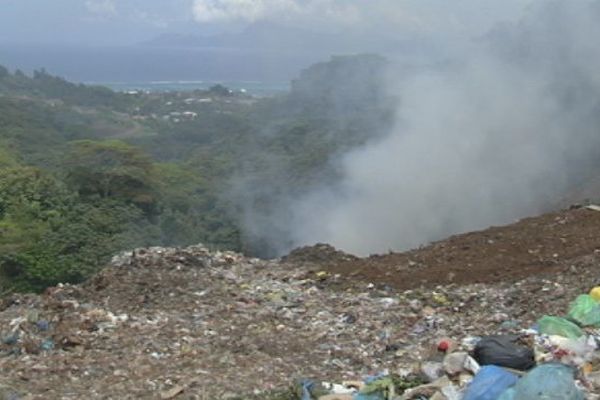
(509, 394)
(375, 389)
(546, 382)
(586, 311)
(559, 326)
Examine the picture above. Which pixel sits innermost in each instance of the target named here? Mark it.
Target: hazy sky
(131, 21)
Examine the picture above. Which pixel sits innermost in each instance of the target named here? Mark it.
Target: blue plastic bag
(372, 396)
(307, 387)
(547, 382)
(489, 383)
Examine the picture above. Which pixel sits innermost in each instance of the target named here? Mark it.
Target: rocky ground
(191, 324)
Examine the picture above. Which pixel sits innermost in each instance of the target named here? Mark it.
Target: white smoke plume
(497, 136)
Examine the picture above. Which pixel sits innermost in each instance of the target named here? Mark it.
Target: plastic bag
(547, 382)
(509, 394)
(502, 351)
(573, 351)
(307, 386)
(595, 293)
(452, 392)
(310, 390)
(585, 310)
(371, 396)
(489, 383)
(559, 326)
(375, 388)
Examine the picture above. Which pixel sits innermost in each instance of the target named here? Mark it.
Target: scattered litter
(158, 319)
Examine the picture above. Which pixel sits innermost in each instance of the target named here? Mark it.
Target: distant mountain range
(269, 37)
(264, 52)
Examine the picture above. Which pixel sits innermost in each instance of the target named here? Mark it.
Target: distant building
(190, 114)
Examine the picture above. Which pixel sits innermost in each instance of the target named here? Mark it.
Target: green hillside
(86, 172)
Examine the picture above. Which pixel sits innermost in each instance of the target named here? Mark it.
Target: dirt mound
(539, 246)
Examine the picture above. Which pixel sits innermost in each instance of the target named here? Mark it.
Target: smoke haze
(493, 136)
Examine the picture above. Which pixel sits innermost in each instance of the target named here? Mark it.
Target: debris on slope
(320, 253)
(187, 323)
(532, 246)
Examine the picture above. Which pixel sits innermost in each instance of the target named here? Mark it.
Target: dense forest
(86, 172)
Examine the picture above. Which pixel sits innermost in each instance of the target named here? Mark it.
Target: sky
(124, 22)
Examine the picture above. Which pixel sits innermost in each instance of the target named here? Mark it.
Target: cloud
(255, 10)
(101, 7)
(397, 17)
(233, 10)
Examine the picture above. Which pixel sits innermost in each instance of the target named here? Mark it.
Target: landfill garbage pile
(320, 253)
(557, 359)
(188, 323)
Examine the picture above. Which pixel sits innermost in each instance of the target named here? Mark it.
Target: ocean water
(160, 69)
(254, 88)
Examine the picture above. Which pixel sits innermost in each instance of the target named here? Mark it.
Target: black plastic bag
(504, 352)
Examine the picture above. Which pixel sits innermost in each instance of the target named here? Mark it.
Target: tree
(30, 204)
(49, 235)
(220, 90)
(4, 72)
(112, 169)
(7, 158)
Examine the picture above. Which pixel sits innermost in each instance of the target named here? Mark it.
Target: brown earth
(535, 246)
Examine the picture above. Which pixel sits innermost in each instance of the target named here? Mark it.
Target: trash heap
(558, 358)
(190, 323)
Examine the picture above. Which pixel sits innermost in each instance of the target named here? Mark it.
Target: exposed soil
(533, 246)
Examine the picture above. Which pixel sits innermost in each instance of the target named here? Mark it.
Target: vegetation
(86, 172)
